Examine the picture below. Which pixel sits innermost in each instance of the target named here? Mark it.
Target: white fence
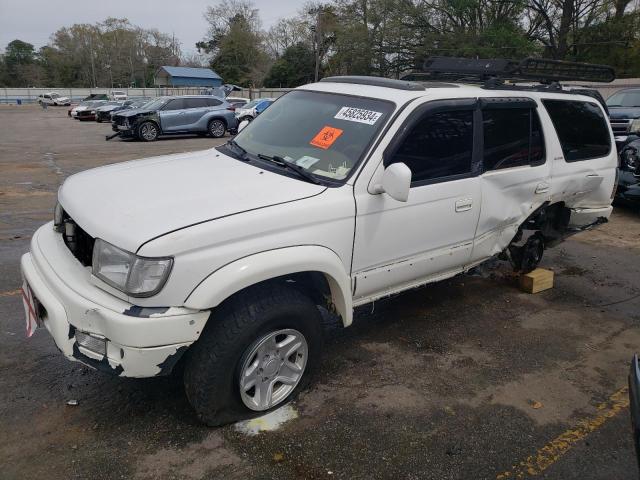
(30, 95)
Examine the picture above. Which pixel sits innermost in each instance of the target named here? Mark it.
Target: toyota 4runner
(341, 193)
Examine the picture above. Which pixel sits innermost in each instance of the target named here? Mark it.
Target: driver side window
(440, 145)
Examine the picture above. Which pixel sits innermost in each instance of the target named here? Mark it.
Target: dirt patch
(195, 461)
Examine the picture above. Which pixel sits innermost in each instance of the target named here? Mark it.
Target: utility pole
(317, 40)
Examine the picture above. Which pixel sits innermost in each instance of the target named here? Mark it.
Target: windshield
(324, 133)
(155, 104)
(140, 103)
(624, 99)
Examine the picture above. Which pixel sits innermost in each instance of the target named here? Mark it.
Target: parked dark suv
(624, 115)
(172, 115)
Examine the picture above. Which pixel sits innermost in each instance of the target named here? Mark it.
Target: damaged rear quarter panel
(508, 198)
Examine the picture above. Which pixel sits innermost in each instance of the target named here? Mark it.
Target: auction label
(326, 137)
(360, 115)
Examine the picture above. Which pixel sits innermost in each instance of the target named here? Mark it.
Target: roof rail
(376, 82)
(533, 69)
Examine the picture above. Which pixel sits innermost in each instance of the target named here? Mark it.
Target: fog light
(92, 343)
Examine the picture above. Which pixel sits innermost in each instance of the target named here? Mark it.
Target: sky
(33, 21)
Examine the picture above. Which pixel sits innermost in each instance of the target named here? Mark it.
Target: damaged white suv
(342, 192)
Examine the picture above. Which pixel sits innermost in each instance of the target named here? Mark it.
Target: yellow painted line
(556, 448)
(11, 293)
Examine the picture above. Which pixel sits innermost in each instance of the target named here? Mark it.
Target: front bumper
(125, 131)
(140, 342)
(634, 403)
(628, 188)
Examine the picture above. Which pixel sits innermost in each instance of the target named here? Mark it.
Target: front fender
(256, 268)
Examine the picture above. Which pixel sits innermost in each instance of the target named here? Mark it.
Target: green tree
(294, 68)
(235, 42)
(20, 66)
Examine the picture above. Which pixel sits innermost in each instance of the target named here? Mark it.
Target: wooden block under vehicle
(536, 281)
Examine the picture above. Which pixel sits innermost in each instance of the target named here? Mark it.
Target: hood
(108, 108)
(62, 99)
(624, 112)
(79, 108)
(132, 112)
(130, 203)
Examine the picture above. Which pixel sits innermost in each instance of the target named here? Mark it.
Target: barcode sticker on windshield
(360, 115)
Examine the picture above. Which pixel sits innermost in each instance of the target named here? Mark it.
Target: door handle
(542, 188)
(464, 204)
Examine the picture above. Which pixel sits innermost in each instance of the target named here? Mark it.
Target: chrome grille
(620, 126)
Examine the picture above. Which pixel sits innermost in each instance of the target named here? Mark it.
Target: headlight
(630, 159)
(635, 126)
(136, 276)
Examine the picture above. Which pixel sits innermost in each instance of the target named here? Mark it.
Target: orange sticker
(326, 137)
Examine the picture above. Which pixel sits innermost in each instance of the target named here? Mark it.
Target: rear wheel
(217, 128)
(257, 351)
(148, 132)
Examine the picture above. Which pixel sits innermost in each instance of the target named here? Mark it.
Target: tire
(241, 326)
(98, 119)
(532, 252)
(148, 132)
(217, 128)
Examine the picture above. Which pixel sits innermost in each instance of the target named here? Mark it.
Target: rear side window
(581, 127)
(440, 145)
(512, 138)
(195, 102)
(212, 102)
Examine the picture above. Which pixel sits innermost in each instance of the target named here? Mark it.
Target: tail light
(233, 109)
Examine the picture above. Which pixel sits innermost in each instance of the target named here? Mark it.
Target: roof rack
(496, 70)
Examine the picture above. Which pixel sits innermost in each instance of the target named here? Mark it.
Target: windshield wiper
(243, 153)
(278, 160)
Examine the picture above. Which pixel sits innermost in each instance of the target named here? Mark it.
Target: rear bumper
(583, 218)
(139, 342)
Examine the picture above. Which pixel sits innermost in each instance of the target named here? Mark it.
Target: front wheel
(148, 132)
(217, 128)
(257, 351)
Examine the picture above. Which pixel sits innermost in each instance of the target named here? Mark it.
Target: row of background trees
(336, 37)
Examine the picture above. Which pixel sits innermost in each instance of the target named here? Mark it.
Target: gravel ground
(465, 379)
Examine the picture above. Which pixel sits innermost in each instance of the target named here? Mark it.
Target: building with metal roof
(186, 77)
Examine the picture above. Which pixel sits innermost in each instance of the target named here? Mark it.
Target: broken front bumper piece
(97, 329)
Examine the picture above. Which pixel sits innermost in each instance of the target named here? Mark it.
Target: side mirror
(242, 125)
(396, 182)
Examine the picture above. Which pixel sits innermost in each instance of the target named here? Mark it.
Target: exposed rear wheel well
(546, 227)
(551, 220)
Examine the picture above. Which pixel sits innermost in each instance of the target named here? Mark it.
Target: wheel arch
(142, 121)
(217, 117)
(317, 270)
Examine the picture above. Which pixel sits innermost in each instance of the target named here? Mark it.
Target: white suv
(53, 98)
(342, 192)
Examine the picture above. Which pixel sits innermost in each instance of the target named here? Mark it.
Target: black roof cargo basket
(530, 69)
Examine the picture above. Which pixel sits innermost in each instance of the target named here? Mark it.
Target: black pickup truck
(624, 115)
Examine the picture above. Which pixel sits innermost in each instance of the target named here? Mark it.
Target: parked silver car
(201, 114)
